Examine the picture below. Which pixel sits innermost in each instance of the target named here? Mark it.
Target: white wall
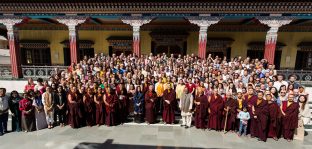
(13, 85)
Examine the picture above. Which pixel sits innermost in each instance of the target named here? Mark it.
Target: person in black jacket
(60, 105)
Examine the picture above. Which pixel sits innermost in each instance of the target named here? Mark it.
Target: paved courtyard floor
(130, 136)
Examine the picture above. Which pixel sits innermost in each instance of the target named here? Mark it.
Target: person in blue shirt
(244, 117)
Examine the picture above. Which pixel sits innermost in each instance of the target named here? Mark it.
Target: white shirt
(278, 84)
(4, 103)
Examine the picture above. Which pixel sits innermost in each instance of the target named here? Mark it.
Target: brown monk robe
(150, 99)
(169, 105)
(110, 100)
(230, 108)
(215, 111)
(260, 114)
(99, 110)
(74, 113)
(250, 100)
(201, 110)
(88, 105)
(290, 111)
(274, 118)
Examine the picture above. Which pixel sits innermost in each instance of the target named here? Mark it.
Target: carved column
(72, 22)
(13, 40)
(136, 22)
(271, 37)
(203, 23)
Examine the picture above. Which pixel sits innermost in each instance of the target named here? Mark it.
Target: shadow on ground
(108, 144)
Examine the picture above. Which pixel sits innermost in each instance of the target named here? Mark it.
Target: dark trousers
(16, 123)
(3, 122)
(60, 115)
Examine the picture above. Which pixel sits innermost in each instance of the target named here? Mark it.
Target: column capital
(204, 21)
(10, 21)
(71, 21)
(274, 22)
(136, 21)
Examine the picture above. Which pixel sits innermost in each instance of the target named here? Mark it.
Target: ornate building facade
(59, 33)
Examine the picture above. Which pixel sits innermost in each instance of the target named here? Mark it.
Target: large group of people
(243, 96)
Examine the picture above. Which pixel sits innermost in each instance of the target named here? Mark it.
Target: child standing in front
(244, 117)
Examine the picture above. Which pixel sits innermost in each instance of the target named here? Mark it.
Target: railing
(5, 72)
(40, 71)
(302, 75)
(47, 71)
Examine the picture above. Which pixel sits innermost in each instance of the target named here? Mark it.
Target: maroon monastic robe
(232, 113)
(249, 102)
(261, 122)
(216, 110)
(168, 110)
(274, 120)
(122, 108)
(290, 120)
(201, 112)
(110, 115)
(99, 112)
(88, 109)
(74, 114)
(150, 100)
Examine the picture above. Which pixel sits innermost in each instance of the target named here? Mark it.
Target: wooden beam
(47, 20)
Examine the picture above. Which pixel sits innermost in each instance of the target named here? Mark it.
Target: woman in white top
(304, 117)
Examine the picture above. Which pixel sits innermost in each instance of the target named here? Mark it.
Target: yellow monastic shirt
(240, 104)
(160, 89)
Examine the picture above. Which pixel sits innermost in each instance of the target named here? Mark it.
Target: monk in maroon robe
(290, 111)
(74, 113)
(99, 112)
(110, 100)
(230, 108)
(215, 111)
(201, 111)
(169, 98)
(250, 100)
(150, 99)
(260, 114)
(274, 118)
(88, 107)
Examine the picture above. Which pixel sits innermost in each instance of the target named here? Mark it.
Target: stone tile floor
(132, 136)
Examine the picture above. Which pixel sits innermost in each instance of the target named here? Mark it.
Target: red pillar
(136, 40)
(14, 54)
(274, 22)
(202, 42)
(73, 46)
(270, 45)
(72, 22)
(136, 21)
(10, 22)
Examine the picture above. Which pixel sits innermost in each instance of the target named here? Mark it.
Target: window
(35, 52)
(36, 56)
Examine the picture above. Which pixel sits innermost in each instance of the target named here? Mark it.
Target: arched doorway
(169, 42)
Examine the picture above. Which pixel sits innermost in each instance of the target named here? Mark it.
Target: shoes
(182, 125)
(186, 127)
